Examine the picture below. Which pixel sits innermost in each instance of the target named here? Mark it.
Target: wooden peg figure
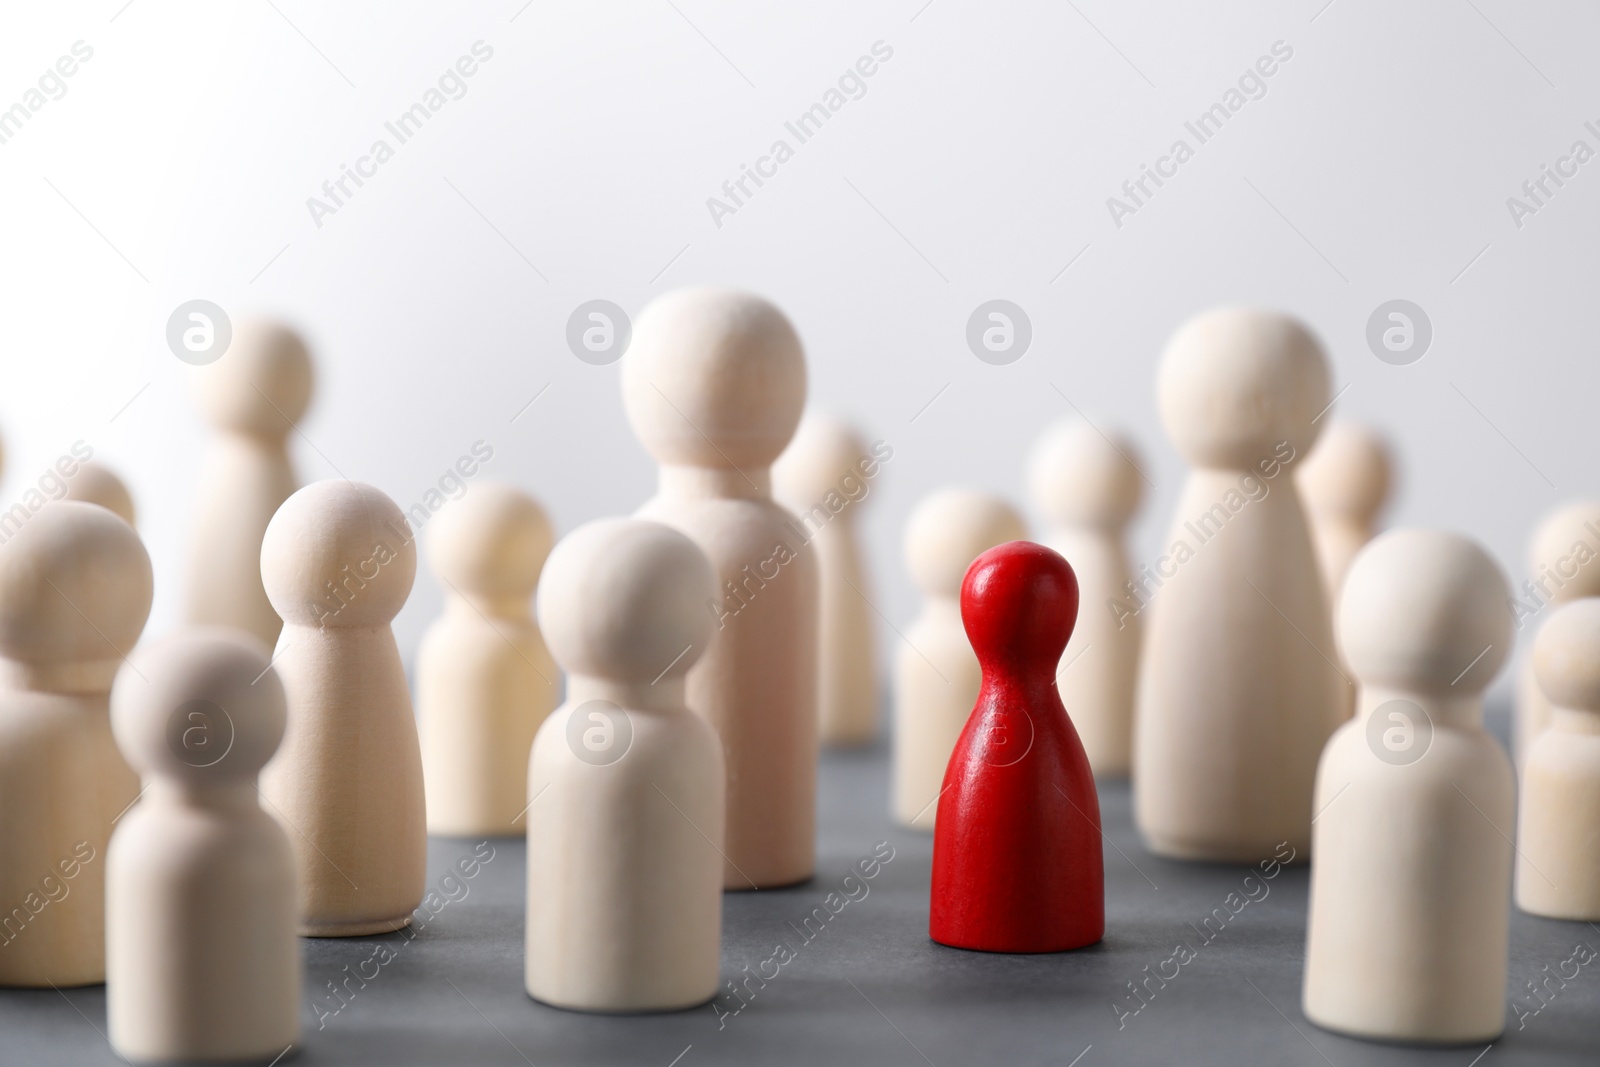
(1016, 847)
(822, 478)
(202, 957)
(75, 588)
(95, 483)
(1564, 564)
(484, 679)
(1238, 683)
(936, 676)
(338, 561)
(625, 785)
(1557, 873)
(714, 383)
(1087, 483)
(253, 396)
(1411, 870)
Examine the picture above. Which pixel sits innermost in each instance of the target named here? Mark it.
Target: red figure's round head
(1019, 602)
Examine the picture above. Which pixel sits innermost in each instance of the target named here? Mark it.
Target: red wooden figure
(1016, 845)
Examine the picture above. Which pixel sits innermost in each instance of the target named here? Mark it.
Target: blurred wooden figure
(821, 477)
(95, 483)
(1557, 872)
(936, 676)
(1411, 871)
(253, 396)
(626, 798)
(1564, 560)
(484, 679)
(202, 959)
(75, 589)
(1088, 485)
(714, 383)
(338, 561)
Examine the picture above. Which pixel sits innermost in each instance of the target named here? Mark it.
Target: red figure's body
(1016, 845)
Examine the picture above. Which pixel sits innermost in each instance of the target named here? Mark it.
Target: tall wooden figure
(625, 783)
(1016, 847)
(202, 958)
(253, 396)
(75, 588)
(338, 561)
(936, 676)
(714, 384)
(821, 478)
(1237, 684)
(1411, 871)
(1559, 817)
(1564, 559)
(484, 679)
(1088, 485)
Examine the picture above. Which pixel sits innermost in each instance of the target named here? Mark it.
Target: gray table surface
(871, 988)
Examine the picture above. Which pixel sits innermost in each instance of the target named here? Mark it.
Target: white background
(976, 166)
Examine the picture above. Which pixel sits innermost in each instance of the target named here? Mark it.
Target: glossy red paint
(1017, 861)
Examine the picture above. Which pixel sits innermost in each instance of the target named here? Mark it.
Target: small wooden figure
(338, 560)
(1016, 848)
(1558, 875)
(484, 679)
(625, 785)
(202, 960)
(1087, 483)
(1564, 564)
(822, 478)
(714, 383)
(936, 676)
(96, 483)
(253, 396)
(1411, 875)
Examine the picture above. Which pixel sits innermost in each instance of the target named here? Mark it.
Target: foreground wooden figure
(1411, 877)
(936, 676)
(202, 958)
(1088, 485)
(714, 384)
(1558, 875)
(1237, 684)
(1016, 848)
(338, 561)
(625, 783)
(75, 588)
(484, 679)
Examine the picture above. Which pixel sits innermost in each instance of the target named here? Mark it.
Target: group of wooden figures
(173, 816)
